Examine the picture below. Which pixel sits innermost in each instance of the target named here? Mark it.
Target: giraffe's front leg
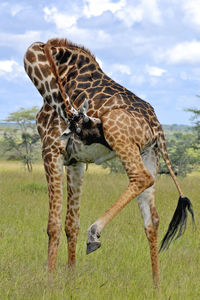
(53, 164)
(74, 183)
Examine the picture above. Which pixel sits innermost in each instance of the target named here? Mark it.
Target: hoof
(92, 247)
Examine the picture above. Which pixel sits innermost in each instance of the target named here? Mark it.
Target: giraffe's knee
(54, 232)
(72, 230)
(151, 233)
(151, 229)
(53, 229)
(142, 181)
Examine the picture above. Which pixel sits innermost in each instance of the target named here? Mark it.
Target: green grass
(120, 269)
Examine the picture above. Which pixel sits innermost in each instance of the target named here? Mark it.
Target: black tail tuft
(178, 223)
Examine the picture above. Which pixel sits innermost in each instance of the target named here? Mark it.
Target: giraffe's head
(88, 129)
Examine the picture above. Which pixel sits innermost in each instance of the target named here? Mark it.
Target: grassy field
(120, 269)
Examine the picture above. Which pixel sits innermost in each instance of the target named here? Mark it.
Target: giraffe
(66, 74)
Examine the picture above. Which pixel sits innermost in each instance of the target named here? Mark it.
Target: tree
(183, 150)
(21, 140)
(184, 154)
(195, 119)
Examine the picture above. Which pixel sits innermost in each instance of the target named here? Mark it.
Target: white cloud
(130, 15)
(124, 69)
(66, 25)
(151, 11)
(137, 80)
(146, 10)
(10, 69)
(193, 74)
(192, 11)
(7, 65)
(128, 11)
(103, 36)
(62, 20)
(19, 42)
(15, 9)
(96, 7)
(155, 71)
(186, 52)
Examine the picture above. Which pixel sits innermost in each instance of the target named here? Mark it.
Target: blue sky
(152, 47)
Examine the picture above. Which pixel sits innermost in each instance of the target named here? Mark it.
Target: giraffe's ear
(66, 134)
(84, 107)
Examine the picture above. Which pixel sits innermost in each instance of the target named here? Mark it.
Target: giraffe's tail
(178, 223)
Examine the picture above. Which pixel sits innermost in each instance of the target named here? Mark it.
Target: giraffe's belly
(77, 151)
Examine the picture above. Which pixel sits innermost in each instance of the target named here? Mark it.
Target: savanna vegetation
(120, 269)
(19, 137)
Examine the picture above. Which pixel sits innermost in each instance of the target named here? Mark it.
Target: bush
(114, 165)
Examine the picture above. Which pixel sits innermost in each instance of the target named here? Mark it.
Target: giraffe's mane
(57, 42)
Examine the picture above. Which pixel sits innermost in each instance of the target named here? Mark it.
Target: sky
(152, 47)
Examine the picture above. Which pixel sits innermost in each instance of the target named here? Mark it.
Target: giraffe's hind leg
(74, 182)
(125, 141)
(117, 124)
(148, 210)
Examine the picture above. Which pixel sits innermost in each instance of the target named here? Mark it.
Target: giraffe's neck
(73, 69)
(40, 72)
